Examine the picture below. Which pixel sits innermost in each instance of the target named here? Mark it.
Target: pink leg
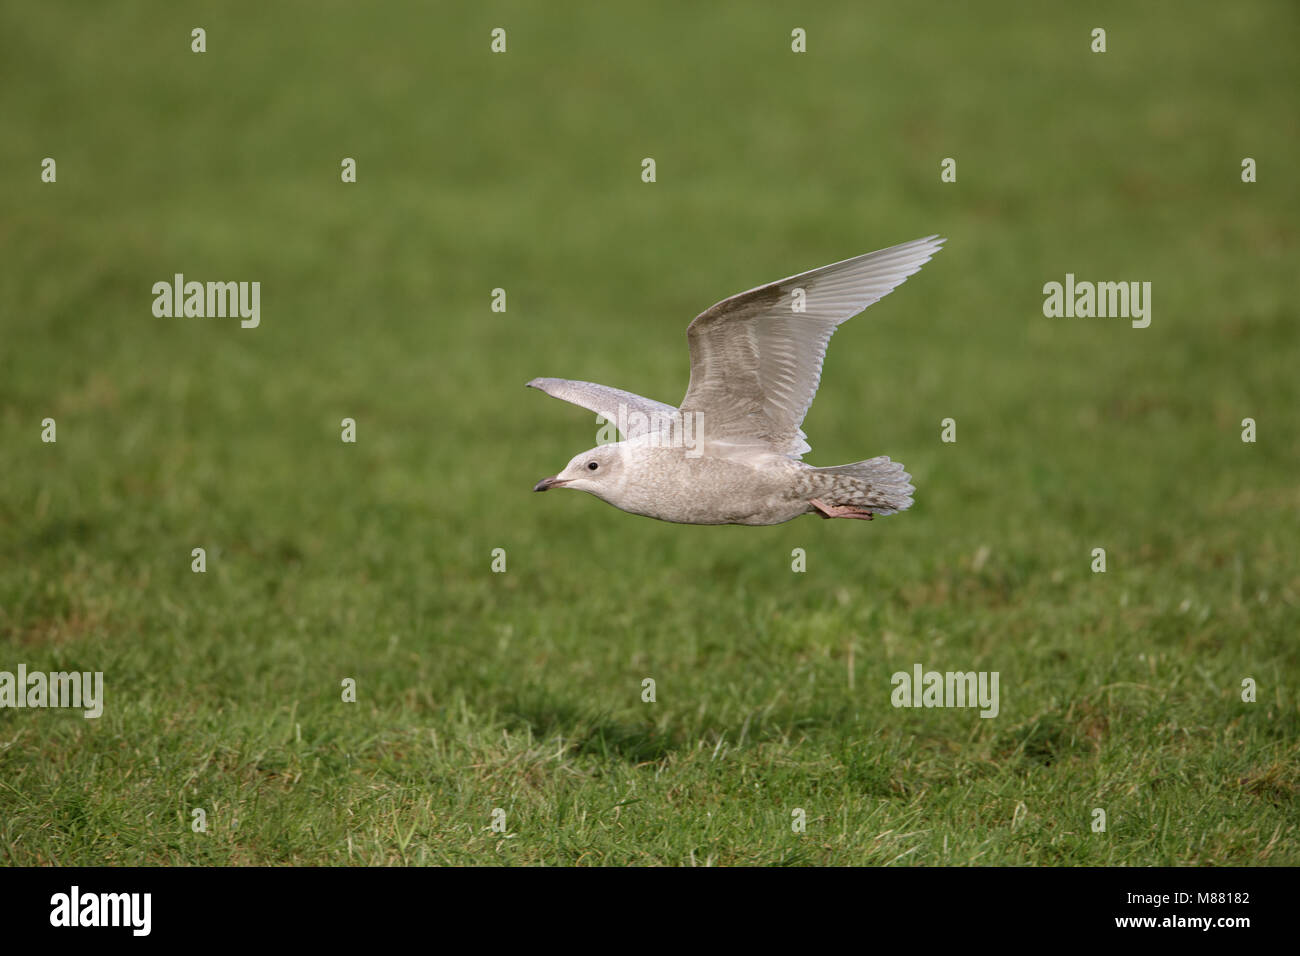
(840, 511)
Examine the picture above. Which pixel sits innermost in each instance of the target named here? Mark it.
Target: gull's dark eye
(592, 466)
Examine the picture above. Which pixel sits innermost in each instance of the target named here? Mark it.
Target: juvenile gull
(731, 453)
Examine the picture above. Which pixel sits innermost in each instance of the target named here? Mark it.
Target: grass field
(521, 690)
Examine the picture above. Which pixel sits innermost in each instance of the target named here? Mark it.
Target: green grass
(522, 690)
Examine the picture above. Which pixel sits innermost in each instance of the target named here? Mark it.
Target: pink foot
(840, 511)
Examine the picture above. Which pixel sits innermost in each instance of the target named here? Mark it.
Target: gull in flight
(731, 454)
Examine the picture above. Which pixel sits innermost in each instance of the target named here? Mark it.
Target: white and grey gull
(731, 454)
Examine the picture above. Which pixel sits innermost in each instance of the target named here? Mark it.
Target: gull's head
(598, 471)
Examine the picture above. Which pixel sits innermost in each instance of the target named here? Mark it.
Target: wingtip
(929, 246)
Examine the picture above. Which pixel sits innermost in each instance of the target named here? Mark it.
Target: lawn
(522, 690)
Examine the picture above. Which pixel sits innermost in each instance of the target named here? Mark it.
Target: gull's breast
(669, 484)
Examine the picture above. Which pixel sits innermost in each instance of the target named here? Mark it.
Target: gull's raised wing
(633, 414)
(756, 359)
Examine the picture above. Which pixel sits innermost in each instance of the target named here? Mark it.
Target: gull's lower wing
(756, 358)
(633, 414)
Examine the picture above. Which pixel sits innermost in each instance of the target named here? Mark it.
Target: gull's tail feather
(877, 484)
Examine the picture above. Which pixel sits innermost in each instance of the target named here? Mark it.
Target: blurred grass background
(522, 690)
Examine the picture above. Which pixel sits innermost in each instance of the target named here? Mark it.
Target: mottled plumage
(731, 453)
